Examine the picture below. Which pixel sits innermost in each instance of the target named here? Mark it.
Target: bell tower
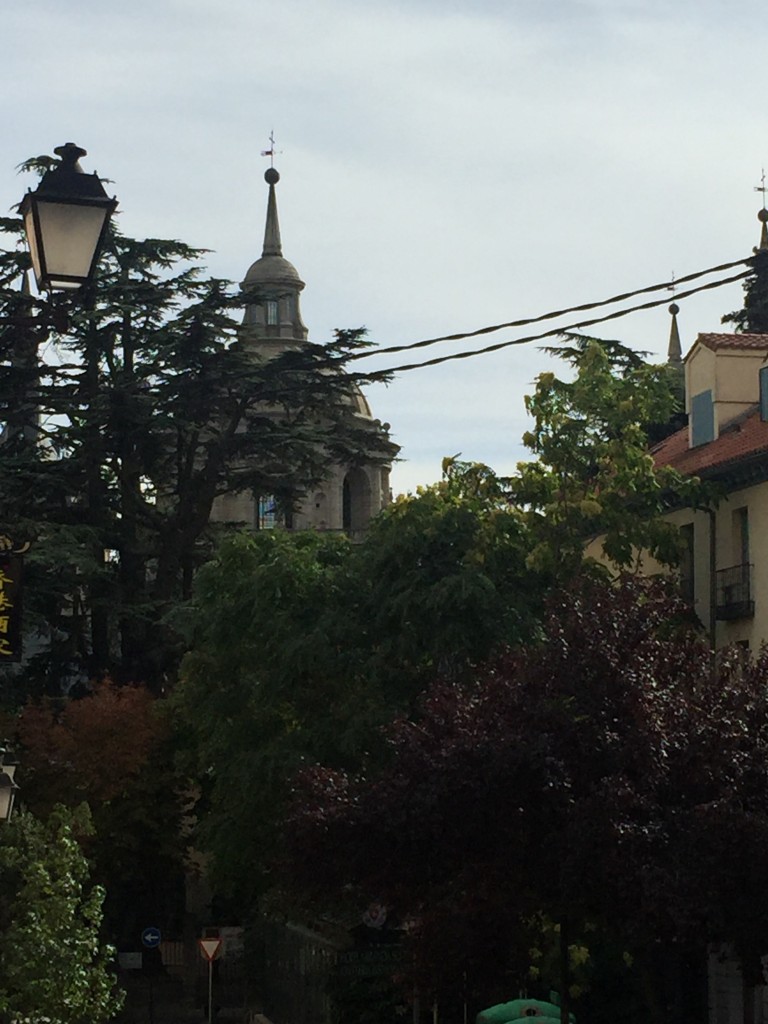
(351, 494)
(271, 288)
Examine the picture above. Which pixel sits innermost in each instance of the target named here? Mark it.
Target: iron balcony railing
(734, 592)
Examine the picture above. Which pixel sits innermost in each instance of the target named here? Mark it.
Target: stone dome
(360, 403)
(272, 270)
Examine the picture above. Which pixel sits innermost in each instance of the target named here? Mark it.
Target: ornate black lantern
(66, 219)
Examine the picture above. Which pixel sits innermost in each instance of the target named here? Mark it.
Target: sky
(445, 165)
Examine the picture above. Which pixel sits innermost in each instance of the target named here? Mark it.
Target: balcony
(734, 593)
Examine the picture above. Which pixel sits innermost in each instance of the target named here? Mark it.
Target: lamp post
(8, 787)
(65, 220)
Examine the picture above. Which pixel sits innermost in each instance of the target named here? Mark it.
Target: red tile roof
(741, 438)
(751, 342)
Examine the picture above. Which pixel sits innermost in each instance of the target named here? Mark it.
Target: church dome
(360, 403)
(272, 270)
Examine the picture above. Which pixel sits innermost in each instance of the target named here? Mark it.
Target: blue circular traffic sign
(150, 937)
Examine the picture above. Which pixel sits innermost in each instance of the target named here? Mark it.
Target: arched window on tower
(273, 312)
(356, 501)
(267, 515)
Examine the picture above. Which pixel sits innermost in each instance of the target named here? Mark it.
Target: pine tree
(123, 422)
(752, 318)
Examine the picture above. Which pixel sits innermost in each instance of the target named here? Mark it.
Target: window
(764, 393)
(734, 585)
(740, 535)
(272, 512)
(356, 501)
(273, 312)
(266, 512)
(687, 578)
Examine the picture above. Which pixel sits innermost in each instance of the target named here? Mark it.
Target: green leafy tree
(303, 645)
(124, 421)
(53, 964)
(593, 475)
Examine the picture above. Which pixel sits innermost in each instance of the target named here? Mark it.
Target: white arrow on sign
(209, 947)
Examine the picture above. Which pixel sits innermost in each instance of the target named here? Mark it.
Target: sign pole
(150, 939)
(210, 992)
(209, 948)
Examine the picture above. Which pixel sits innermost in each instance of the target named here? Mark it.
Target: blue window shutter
(764, 392)
(702, 419)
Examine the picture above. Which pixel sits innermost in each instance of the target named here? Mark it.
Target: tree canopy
(753, 315)
(303, 645)
(593, 474)
(123, 421)
(112, 749)
(53, 964)
(572, 778)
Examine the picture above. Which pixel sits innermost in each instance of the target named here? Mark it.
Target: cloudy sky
(446, 164)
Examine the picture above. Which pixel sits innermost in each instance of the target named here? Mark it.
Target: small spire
(272, 243)
(674, 351)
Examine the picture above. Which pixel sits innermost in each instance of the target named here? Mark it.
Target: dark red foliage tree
(608, 776)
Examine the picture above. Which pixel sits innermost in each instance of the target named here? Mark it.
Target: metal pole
(210, 991)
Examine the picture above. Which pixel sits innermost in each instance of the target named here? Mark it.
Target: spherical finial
(762, 215)
(674, 309)
(271, 176)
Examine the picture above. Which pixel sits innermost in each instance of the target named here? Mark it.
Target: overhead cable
(383, 374)
(665, 285)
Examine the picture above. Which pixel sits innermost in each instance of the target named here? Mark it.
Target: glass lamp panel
(70, 235)
(29, 230)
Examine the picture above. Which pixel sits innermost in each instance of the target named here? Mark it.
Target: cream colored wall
(732, 377)
(321, 509)
(755, 499)
(699, 373)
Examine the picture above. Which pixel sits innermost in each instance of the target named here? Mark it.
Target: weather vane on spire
(762, 187)
(271, 151)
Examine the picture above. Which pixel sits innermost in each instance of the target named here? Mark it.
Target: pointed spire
(272, 243)
(674, 351)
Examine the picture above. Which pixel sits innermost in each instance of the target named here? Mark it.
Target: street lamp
(65, 220)
(8, 787)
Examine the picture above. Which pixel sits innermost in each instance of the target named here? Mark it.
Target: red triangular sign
(209, 947)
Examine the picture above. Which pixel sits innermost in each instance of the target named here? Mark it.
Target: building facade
(724, 569)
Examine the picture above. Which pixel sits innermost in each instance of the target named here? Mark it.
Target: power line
(383, 374)
(665, 285)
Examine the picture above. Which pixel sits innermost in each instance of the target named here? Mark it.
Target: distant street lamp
(8, 787)
(65, 220)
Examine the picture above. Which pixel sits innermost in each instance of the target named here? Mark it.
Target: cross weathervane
(762, 187)
(271, 151)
